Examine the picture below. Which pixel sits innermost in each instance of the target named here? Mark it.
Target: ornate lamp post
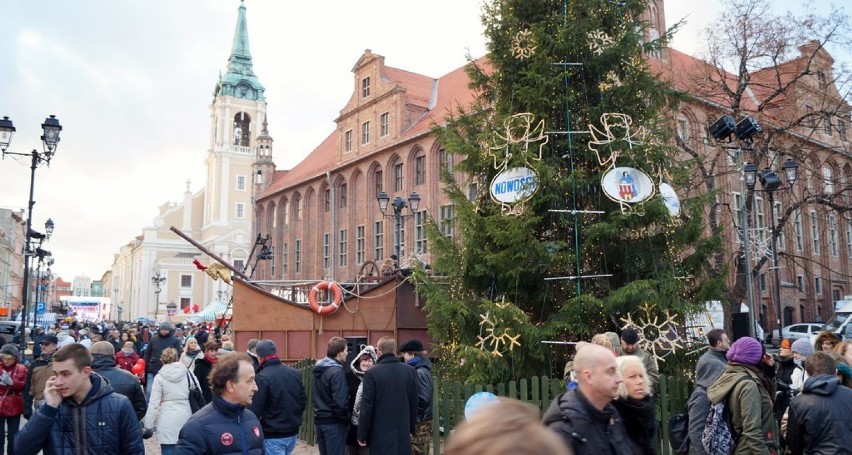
(158, 279)
(50, 142)
(399, 204)
(770, 182)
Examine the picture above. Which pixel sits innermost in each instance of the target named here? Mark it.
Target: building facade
(11, 261)
(156, 269)
(324, 222)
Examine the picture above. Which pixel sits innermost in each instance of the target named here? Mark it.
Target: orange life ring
(336, 292)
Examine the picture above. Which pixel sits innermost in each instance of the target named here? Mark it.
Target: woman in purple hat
(747, 394)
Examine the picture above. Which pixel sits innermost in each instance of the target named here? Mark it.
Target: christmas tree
(564, 100)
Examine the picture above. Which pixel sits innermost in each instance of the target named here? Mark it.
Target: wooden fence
(449, 398)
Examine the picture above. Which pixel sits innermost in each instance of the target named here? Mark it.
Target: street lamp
(770, 182)
(50, 141)
(158, 279)
(398, 205)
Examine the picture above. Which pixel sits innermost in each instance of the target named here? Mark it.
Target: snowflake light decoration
(653, 333)
(599, 42)
(760, 241)
(612, 81)
(523, 45)
(495, 336)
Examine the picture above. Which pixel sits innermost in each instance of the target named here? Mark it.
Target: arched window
(240, 130)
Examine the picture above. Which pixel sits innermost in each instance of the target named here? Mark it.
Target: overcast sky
(132, 81)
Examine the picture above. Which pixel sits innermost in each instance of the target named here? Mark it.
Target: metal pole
(398, 215)
(746, 247)
(775, 263)
(27, 253)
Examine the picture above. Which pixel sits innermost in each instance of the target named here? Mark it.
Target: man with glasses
(39, 372)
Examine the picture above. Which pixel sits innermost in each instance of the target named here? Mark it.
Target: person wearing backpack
(745, 391)
(710, 366)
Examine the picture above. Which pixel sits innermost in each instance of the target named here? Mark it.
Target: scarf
(274, 355)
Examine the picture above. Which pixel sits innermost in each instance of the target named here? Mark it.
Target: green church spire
(240, 81)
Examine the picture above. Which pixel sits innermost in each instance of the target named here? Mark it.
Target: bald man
(584, 417)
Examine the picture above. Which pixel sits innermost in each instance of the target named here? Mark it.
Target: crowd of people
(113, 385)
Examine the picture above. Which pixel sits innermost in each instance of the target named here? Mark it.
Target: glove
(28, 412)
(5, 379)
(146, 432)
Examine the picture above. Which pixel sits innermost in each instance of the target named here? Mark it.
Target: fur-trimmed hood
(354, 365)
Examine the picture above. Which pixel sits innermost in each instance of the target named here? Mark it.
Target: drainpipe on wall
(331, 234)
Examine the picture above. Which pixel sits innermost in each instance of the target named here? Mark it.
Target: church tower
(237, 113)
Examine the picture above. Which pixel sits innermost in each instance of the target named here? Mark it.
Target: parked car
(796, 331)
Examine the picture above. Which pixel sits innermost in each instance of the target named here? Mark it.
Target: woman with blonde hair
(169, 408)
(636, 404)
(507, 427)
(190, 352)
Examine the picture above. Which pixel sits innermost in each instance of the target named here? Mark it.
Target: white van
(840, 323)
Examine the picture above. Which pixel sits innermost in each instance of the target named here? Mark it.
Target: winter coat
(221, 428)
(122, 382)
(169, 407)
(710, 366)
(640, 421)
(388, 407)
(155, 349)
(280, 399)
(820, 419)
(188, 359)
(423, 367)
(751, 409)
(587, 430)
(783, 379)
(39, 372)
(355, 380)
(107, 419)
(330, 395)
(12, 395)
(202, 369)
(126, 362)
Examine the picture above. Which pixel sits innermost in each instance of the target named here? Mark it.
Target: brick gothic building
(324, 220)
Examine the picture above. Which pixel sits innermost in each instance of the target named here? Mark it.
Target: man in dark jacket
(331, 399)
(412, 353)
(225, 426)
(123, 382)
(585, 417)
(158, 343)
(388, 404)
(74, 392)
(710, 366)
(39, 372)
(279, 401)
(819, 418)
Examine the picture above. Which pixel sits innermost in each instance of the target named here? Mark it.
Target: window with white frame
(849, 239)
(798, 232)
(826, 124)
(447, 220)
(762, 281)
(286, 214)
(420, 232)
(365, 87)
(800, 283)
(445, 160)
(297, 259)
(397, 177)
(343, 244)
(342, 201)
(827, 180)
(683, 128)
(347, 141)
(832, 236)
(359, 244)
(365, 132)
(326, 250)
(815, 232)
(836, 294)
(472, 191)
(759, 217)
(378, 240)
(241, 183)
(384, 124)
(777, 213)
(239, 264)
(401, 240)
(185, 302)
(326, 200)
(285, 257)
(379, 182)
(420, 170)
(299, 207)
(186, 281)
(818, 286)
(240, 211)
(737, 209)
(841, 129)
(821, 80)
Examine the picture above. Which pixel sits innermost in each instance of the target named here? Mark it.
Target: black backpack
(679, 432)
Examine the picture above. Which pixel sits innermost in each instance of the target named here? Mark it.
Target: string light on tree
(523, 45)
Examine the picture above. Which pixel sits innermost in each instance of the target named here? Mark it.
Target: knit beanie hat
(9, 349)
(803, 346)
(746, 350)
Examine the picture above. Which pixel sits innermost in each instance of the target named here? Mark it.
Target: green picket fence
(449, 398)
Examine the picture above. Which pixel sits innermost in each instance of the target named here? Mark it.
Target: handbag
(196, 398)
(679, 433)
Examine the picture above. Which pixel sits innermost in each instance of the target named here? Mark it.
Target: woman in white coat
(169, 408)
